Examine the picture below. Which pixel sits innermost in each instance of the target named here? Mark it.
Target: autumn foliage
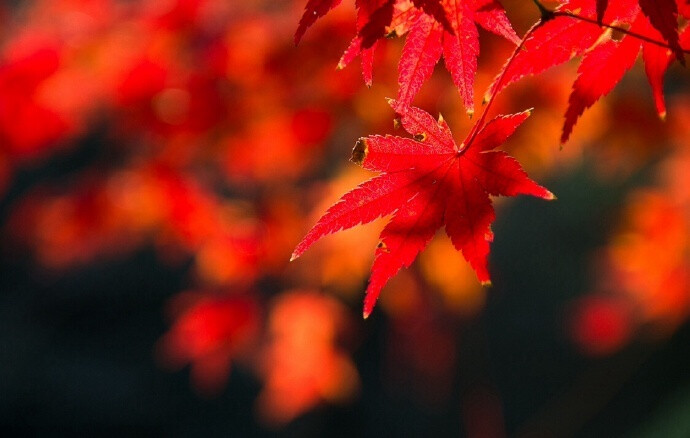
(216, 132)
(419, 185)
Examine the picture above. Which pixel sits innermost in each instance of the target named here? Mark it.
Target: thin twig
(639, 36)
(547, 15)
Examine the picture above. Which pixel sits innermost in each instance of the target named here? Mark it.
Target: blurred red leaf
(27, 125)
(209, 330)
(601, 326)
(303, 364)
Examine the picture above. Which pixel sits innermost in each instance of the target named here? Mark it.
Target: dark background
(77, 349)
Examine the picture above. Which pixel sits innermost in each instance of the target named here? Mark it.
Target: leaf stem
(482, 119)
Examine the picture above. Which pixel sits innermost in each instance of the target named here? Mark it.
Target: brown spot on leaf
(359, 152)
(420, 137)
(382, 246)
(397, 122)
(616, 34)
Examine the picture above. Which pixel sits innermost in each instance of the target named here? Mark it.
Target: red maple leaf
(208, 332)
(435, 27)
(312, 12)
(427, 182)
(605, 60)
(663, 14)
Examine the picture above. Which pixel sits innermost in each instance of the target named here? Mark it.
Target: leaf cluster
(429, 181)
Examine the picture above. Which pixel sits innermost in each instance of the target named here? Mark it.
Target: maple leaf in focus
(427, 182)
(605, 60)
(435, 27)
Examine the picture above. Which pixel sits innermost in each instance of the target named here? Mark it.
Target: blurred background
(159, 161)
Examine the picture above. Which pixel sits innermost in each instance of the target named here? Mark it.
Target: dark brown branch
(639, 36)
(547, 15)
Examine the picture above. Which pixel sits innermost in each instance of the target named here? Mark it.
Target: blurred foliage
(159, 160)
